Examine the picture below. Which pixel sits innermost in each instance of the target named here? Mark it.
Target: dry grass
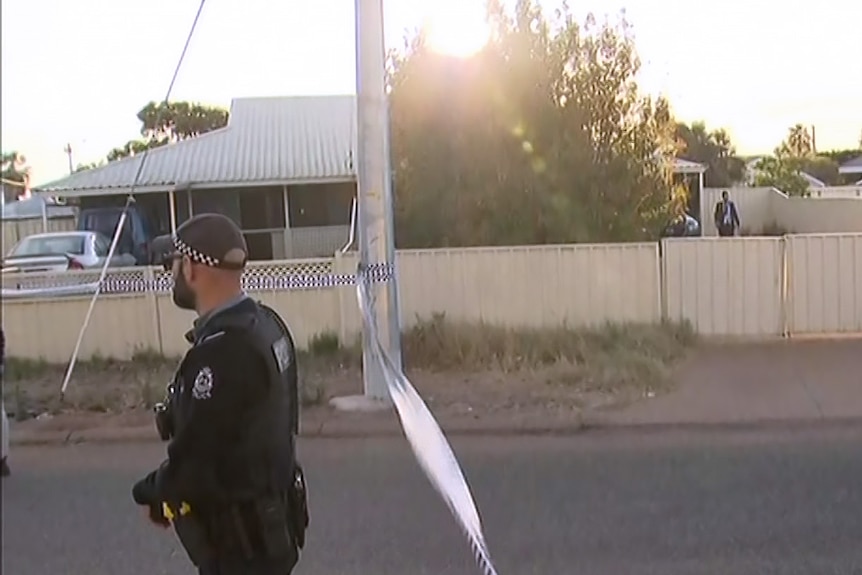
(608, 358)
(101, 385)
(614, 360)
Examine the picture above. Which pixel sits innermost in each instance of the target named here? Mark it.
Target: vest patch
(281, 351)
(203, 385)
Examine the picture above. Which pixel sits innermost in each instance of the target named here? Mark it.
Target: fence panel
(725, 286)
(533, 286)
(824, 294)
(47, 329)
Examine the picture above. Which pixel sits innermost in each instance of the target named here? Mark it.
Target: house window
(250, 208)
(262, 208)
(318, 205)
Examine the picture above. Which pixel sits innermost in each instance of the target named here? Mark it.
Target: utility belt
(270, 526)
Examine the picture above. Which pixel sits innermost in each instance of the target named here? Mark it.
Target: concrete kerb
(381, 429)
(332, 429)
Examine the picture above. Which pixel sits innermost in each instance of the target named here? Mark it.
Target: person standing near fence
(726, 216)
(231, 486)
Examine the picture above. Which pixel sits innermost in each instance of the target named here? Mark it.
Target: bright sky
(79, 71)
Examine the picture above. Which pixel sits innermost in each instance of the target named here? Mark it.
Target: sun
(457, 28)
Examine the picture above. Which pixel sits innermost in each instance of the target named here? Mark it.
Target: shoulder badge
(212, 336)
(203, 386)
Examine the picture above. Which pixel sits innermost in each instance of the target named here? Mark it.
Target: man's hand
(144, 490)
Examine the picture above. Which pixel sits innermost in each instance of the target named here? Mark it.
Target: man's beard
(182, 294)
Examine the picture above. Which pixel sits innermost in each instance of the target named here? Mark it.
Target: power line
(129, 201)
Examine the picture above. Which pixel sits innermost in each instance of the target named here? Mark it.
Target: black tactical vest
(265, 450)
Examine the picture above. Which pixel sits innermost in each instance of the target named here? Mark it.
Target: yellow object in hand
(185, 509)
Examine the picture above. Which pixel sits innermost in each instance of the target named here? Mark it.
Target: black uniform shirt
(220, 380)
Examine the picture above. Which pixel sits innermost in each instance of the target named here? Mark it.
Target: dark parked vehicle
(683, 226)
(134, 239)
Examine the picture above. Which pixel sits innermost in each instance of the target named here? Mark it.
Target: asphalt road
(670, 503)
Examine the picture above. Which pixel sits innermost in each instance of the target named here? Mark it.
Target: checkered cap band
(184, 249)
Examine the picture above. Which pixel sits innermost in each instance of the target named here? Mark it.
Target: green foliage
(163, 123)
(714, 149)
(89, 166)
(782, 172)
(790, 158)
(323, 344)
(13, 169)
(542, 137)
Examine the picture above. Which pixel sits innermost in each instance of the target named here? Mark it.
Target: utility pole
(376, 229)
(68, 150)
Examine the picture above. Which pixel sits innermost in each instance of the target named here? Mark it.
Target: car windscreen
(102, 221)
(49, 245)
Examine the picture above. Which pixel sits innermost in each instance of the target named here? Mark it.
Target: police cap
(212, 240)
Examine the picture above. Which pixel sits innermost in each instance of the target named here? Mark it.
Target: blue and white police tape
(429, 444)
(59, 286)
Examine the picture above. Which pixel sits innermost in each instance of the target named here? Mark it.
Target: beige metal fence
(769, 211)
(14, 230)
(750, 287)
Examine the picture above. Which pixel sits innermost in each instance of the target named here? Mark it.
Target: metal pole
(376, 230)
(172, 210)
(44, 203)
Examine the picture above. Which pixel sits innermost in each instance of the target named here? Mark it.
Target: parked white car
(63, 251)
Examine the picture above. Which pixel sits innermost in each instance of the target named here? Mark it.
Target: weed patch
(611, 359)
(604, 358)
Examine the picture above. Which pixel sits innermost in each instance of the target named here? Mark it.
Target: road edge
(367, 429)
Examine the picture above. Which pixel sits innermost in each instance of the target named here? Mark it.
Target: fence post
(785, 286)
(348, 309)
(153, 305)
(662, 279)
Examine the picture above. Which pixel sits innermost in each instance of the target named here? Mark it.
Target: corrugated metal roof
(687, 167)
(812, 181)
(854, 166)
(267, 140)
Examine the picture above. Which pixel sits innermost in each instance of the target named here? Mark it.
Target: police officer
(230, 486)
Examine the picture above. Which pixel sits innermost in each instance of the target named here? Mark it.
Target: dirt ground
(738, 378)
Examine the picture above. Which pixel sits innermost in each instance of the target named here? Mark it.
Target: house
(752, 167)
(852, 167)
(282, 168)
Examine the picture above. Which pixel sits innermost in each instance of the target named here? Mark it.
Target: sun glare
(457, 28)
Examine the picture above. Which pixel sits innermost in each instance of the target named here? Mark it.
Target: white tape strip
(426, 438)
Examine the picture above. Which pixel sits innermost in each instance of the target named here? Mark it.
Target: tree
(799, 143)
(163, 123)
(782, 172)
(89, 166)
(14, 167)
(13, 170)
(541, 137)
(714, 149)
(793, 156)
